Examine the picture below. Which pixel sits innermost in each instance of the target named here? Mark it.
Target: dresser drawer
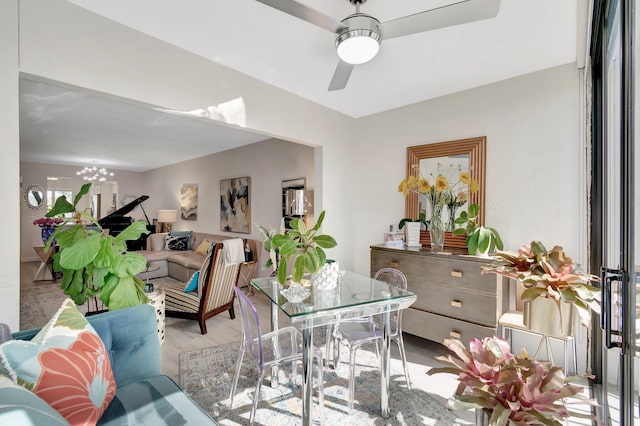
(463, 304)
(451, 272)
(437, 328)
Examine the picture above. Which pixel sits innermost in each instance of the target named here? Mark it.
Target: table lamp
(166, 218)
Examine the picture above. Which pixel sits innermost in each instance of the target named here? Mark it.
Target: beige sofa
(180, 265)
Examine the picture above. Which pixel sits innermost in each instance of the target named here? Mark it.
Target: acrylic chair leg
(235, 379)
(400, 341)
(256, 398)
(352, 378)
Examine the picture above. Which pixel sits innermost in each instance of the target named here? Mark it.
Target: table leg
(307, 375)
(385, 365)
(274, 326)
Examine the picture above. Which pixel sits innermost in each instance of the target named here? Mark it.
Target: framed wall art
(189, 201)
(235, 208)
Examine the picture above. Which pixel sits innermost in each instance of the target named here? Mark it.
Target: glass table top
(354, 296)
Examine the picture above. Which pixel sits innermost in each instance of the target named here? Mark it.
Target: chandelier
(94, 173)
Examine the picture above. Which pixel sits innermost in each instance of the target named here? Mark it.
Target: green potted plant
(94, 264)
(480, 239)
(510, 388)
(299, 246)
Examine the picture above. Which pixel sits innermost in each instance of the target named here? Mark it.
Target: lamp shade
(167, 216)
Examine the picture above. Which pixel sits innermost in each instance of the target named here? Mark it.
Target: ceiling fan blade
(305, 13)
(454, 14)
(341, 76)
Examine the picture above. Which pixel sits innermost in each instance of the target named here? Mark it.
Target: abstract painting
(189, 201)
(235, 210)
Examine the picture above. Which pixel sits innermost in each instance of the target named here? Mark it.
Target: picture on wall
(189, 201)
(235, 210)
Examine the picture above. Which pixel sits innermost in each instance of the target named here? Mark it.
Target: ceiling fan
(358, 36)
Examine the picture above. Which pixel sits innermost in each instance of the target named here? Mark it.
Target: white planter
(543, 316)
(412, 232)
(327, 276)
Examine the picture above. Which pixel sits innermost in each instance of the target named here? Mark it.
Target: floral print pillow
(65, 364)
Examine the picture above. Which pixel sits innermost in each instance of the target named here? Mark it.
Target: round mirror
(34, 196)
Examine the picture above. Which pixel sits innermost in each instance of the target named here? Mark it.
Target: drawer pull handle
(456, 274)
(455, 334)
(394, 264)
(456, 304)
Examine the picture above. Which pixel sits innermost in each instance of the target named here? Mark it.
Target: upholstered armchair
(213, 295)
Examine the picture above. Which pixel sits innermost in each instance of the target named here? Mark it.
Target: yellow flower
(473, 187)
(402, 187)
(411, 181)
(424, 186)
(462, 197)
(465, 178)
(441, 183)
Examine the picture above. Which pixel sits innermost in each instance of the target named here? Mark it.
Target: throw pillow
(192, 285)
(203, 247)
(22, 407)
(177, 243)
(182, 234)
(65, 364)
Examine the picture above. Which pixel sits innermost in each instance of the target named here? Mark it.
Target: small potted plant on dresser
(481, 240)
(95, 264)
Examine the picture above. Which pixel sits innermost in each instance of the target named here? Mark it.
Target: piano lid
(124, 210)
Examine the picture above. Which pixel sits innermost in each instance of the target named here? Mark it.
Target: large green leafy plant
(480, 238)
(300, 246)
(94, 264)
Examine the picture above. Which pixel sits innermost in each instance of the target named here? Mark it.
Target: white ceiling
(294, 55)
(68, 126)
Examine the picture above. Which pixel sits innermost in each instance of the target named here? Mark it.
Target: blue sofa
(144, 395)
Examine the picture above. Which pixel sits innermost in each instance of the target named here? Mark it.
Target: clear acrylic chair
(361, 331)
(277, 347)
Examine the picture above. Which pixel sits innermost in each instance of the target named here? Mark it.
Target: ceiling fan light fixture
(358, 46)
(359, 41)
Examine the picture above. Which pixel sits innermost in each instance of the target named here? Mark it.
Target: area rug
(206, 376)
(38, 304)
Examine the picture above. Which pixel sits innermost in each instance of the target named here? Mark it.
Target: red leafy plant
(550, 274)
(515, 389)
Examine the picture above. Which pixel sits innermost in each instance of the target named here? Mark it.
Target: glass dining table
(355, 296)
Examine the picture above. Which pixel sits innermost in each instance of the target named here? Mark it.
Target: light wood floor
(184, 335)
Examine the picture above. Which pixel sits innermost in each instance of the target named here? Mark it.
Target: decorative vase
(543, 315)
(327, 277)
(412, 230)
(46, 233)
(437, 229)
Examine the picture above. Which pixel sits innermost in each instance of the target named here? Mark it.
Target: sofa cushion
(66, 364)
(155, 255)
(188, 259)
(187, 234)
(22, 407)
(154, 401)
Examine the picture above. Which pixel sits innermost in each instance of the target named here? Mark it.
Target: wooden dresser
(454, 298)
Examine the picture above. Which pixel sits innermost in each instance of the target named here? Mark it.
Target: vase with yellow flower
(443, 193)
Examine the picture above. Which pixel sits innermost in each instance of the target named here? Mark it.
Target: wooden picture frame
(476, 150)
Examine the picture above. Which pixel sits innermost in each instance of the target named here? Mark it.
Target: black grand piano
(117, 222)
